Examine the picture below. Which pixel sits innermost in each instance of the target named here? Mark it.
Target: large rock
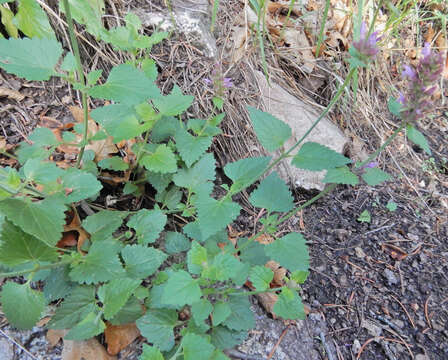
(299, 116)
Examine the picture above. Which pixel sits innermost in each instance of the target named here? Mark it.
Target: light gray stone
(6, 349)
(299, 116)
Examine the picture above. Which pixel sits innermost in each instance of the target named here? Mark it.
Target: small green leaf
(90, 326)
(32, 59)
(394, 107)
(254, 253)
(148, 224)
(42, 172)
(69, 63)
(417, 138)
(7, 20)
(99, 265)
(224, 338)
(102, 224)
(224, 266)
(113, 163)
(289, 305)
(290, 251)
(141, 261)
(201, 310)
(176, 243)
(82, 185)
(18, 247)
(221, 311)
(391, 206)
(162, 160)
(181, 289)
(22, 305)
(157, 327)
(272, 194)
(43, 137)
(261, 277)
(89, 13)
(245, 172)
(271, 132)
(173, 104)
(127, 85)
(149, 67)
(170, 199)
(58, 284)
(341, 175)
(116, 294)
(241, 317)
(93, 76)
(191, 147)
(299, 276)
(196, 258)
(375, 176)
(196, 347)
(200, 173)
(316, 157)
(150, 353)
(365, 217)
(32, 20)
(130, 312)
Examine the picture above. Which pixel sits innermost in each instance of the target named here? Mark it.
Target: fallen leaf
(279, 274)
(120, 336)
(11, 94)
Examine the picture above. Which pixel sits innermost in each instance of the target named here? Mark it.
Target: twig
(326, 346)
(428, 320)
(17, 344)
(271, 354)
(240, 355)
(402, 306)
(367, 343)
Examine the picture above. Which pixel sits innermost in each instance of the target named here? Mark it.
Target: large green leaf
(271, 132)
(241, 317)
(22, 305)
(127, 85)
(176, 243)
(272, 194)
(99, 265)
(341, 175)
(221, 311)
(245, 172)
(116, 294)
(196, 258)
(181, 289)
(102, 224)
(201, 310)
(42, 136)
(191, 147)
(41, 172)
(173, 104)
(92, 325)
(81, 184)
(130, 312)
(261, 277)
(223, 267)
(290, 251)
(44, 219)
(18, 247)
(417, 138)
(200, 173)
(162, 160)
(32, 20)
(289, 305)
(58, 284)
(32, 59)
(224, 338)
(148, 224)
(316, 157)
(141, 261)
(75, 307)
(89, 13)
(7, 17)
(157, 327)
(196, 347)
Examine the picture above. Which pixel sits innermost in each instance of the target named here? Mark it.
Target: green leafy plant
(135, 267)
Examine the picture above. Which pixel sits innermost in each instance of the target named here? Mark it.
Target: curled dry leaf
(279, 274)
(74, 234)
(79, 350)
(11, 94)
(120, 336)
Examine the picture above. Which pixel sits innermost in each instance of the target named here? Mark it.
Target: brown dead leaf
(11, 94)
(429, 36)
(268, 300)
(74, 234)
(279, 274)
(265, 239)
(120, 336)
(79, 350)
(394, 252)
(299, 46)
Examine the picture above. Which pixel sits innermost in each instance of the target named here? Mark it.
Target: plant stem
(322, 27)
(254, 292)
(81, 78)
(36, 268)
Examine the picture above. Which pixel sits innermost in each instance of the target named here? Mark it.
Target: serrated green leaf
(221, 311)
(82, 185)
(290, 251)
(102, 224)
(191, 147)
(271, 132)
(170, 199)
(245, 172)
(341, 175)
(141, 261)
(176, 243)
(89, 13)
(43, 219)
(119, 121)
(391, 206)
(93, 76)
(90, 326)
(261, 277)
(42, 172)
(200, 173)
(116, 294)
(162, 160)
(155, 299)
(32, 20)
(42, 136)
(27, 151)
(18, 247)
(149, 67)
(196, 258)
(215, 215)
(75, 307)
(58, 284)
(394, 107)
(364, 217)
(7, 20)
(196, 347)
(299, 276)
(150, 353)
(241, 317)
(289, 305)
(22, 305)
(272, 194)
(173, 104)
(224, 338)
(201, 310)
(181, 289)
(417, 138)
(254, 253)
(32, 59)
(223, 267)
(157, 327)
(113, 163)
(69, 62)
(129, 313)
(375, 176)
(316, 157)
(99, 265)
(148, 224)
(127, 85)
(164, 128)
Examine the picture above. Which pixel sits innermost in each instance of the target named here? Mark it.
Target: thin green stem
(322, 27)
(80, 72)
(246, 293)
(36, 268)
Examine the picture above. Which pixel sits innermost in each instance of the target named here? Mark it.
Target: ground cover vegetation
(183, 287)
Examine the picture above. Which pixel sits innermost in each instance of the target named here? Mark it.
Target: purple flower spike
(227, 82)
(408, 72)
(367, 45)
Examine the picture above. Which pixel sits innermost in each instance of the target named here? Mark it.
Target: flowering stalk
(220, 85)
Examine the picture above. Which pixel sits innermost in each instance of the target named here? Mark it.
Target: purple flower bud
(367, 45)
(408, 72)
(401, 99)
(227, 82)
(208, 81)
